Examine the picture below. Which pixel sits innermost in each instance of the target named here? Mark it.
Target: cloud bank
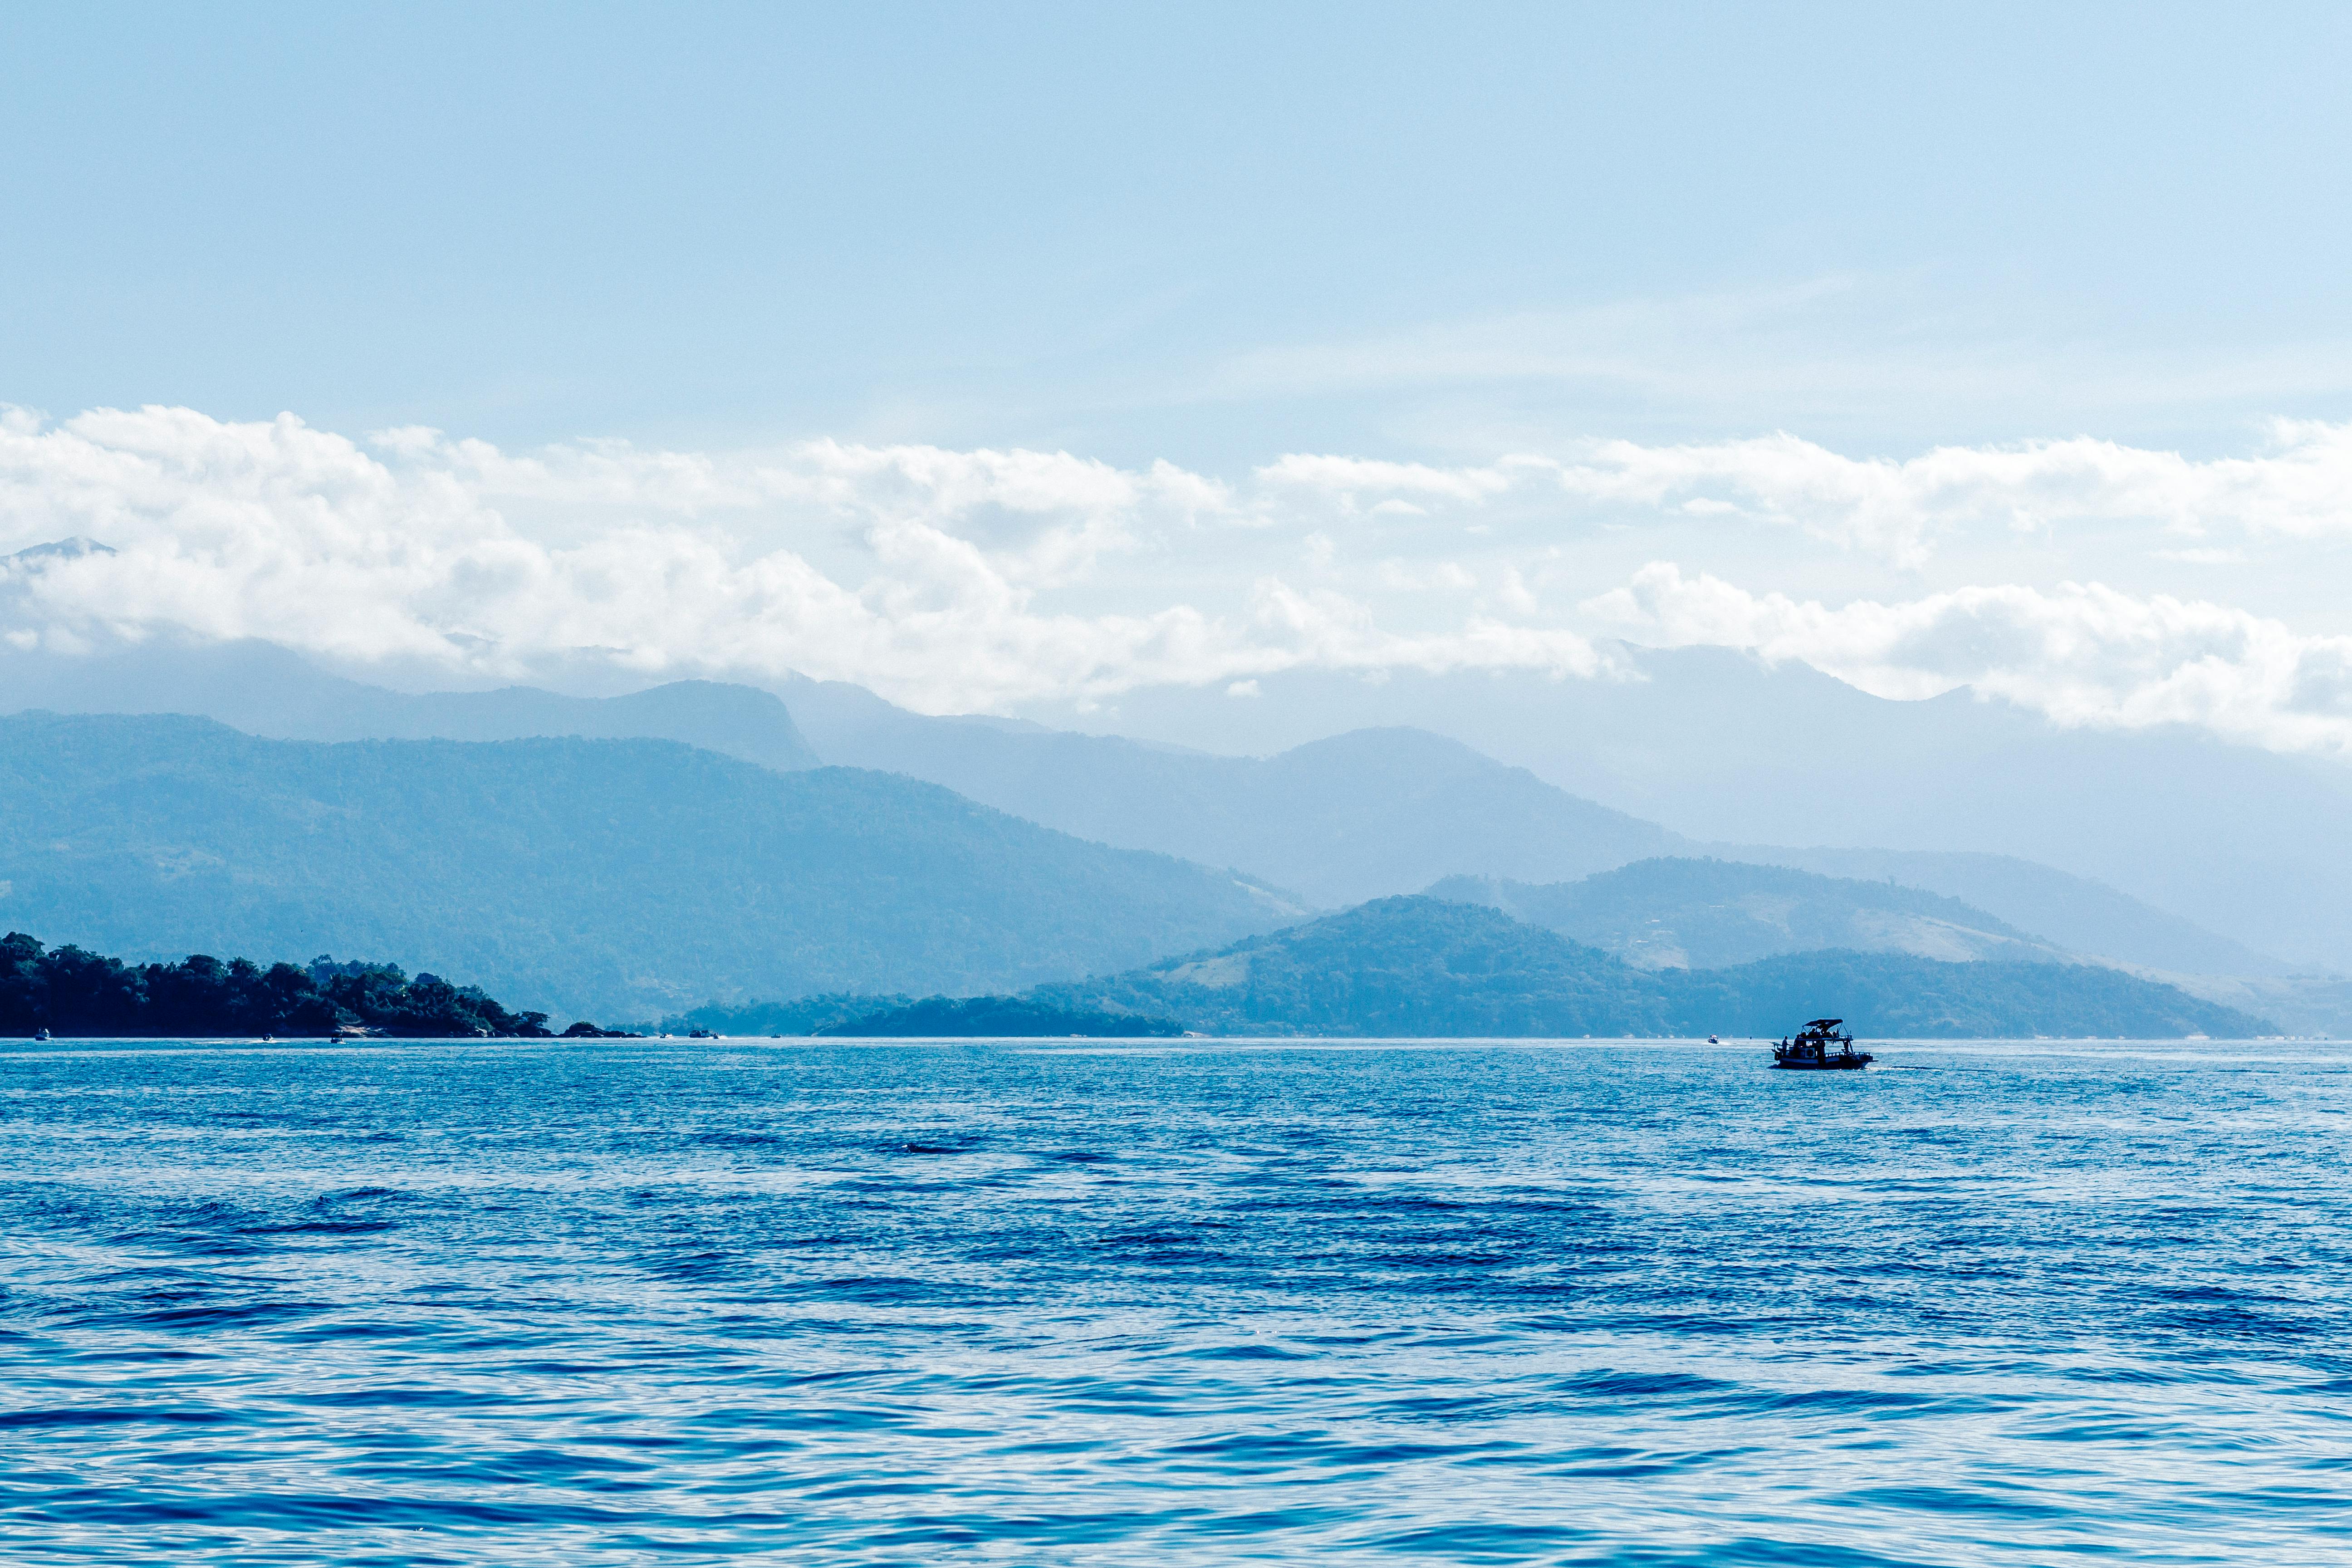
(2083, 655)
(438, 554)
(984, 580)
(1900, 509)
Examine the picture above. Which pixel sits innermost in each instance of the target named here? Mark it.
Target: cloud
(1893, 509)
(454, 557)
(1346, 478)
(963, 581)
(1045, 517)
(2082, 654)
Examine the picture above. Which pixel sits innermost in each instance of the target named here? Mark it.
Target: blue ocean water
(1081, 1302)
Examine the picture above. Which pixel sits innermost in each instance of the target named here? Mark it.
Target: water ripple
(896, 1303)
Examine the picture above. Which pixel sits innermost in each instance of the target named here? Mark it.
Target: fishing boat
(1820, 1045)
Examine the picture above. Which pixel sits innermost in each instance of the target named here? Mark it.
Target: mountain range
(1338, 819)
(1729, 750)
(1389, 810)
(611, 877)
(1428, 967)
(1330, 822)
(1706, 914)
(265, 691)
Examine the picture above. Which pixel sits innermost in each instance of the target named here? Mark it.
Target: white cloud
(1347, 478)
(455, 556)
(1891, 509)
(2082, 654)
(984, 580)
(2301, 486)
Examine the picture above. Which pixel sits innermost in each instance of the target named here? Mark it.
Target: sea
(1078, 1301)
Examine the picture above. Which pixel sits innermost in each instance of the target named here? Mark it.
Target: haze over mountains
(1706, 914)
(609, 878)
(265, 691)
(1725, 749)
(1338, 819)
(1369, 812)
(1375, 812)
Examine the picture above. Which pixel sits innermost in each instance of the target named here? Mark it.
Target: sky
(1003, 358)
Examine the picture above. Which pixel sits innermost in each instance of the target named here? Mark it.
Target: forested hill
(608, 877)
(1423, 966)
(70, 993)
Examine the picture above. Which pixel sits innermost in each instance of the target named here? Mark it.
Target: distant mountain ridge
(1382, 811)
(613, 878)
(1361, 814)
(1424, 967)
(2083, 916)
(265, 691)
(1728, 749)
(1676, 913)
(1338, 820)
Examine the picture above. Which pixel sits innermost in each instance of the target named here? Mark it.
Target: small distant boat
(1811, 1047)
(42, 1035)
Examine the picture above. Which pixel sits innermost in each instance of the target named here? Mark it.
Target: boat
(1811, 1047)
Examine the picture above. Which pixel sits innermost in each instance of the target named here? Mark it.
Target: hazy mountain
(613, 878)
(2301, 1004)
(72, 549)
(1423, 966)
(2078, 914)
(1340, 820)
(265, 691)
(1704, 914)
(1895, 996)
(1377, 812)
(1723, 749)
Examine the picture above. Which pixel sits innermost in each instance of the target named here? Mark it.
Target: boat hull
(1828, 1064)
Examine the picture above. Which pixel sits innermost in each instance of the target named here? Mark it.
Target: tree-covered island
(71, 993)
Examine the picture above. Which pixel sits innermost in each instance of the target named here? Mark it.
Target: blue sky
(1211, 234)
(1021, 354)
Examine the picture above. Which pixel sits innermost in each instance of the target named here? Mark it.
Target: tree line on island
(70, 993)
(847, 1014)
